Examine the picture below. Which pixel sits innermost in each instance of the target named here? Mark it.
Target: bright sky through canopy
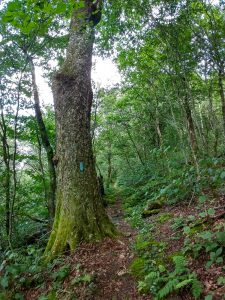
(104, 74)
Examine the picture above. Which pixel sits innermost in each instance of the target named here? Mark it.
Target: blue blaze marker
(82, 166)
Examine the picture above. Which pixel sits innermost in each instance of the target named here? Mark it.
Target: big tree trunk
(80, 215)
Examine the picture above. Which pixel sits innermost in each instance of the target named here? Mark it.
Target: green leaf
(162, 268)
(168, 288)
(220, 236)
(211, 212)
(222, 175)
(86, 278)
(183, 283)
(219, 251)
(203, 214)
(13, 6)
(221, 280)
(202, 198)
(219, 260)
(3, 296)
(206, 235)
(212, 255)
(43, 297)
(5, 282)
(61, 8)
(187, 229)
(208, 264)
(208, 297)
(196, 287)
(19, 296)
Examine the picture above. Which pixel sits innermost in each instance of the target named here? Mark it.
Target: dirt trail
(110, 262)
(106, 263)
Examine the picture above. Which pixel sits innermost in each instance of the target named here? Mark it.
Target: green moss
(69, 229)
(155, 204)
(196, 229)
(148, 213)
(164, 217)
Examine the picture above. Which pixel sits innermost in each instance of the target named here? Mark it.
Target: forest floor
(199, 224)
(102, 271)
(97, 271)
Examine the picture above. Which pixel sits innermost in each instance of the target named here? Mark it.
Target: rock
(127, 234)
(122, 272)
(148, 213)
(154, 204)
(153, 207)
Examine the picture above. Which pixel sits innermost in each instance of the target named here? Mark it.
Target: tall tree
(30, 41)
(46, 143)
(80, 213)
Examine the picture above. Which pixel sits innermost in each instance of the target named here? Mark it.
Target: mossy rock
(155, 204)
(164, 218)
(148, 213)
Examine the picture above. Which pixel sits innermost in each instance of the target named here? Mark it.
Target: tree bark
(190, 123)
(80, 215)
(222, 97)
(45, 142)
(6, 159)
(39, 145)
(109, 159)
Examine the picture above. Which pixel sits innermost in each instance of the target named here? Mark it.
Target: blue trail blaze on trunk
(82, 166)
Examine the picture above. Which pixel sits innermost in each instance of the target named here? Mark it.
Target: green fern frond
(180, 264)
(183, 283)
(196, 288)
(167, 289)
(152, 275)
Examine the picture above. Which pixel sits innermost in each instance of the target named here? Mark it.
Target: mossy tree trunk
(80, 215)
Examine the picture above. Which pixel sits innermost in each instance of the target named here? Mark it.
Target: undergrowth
(157, 273)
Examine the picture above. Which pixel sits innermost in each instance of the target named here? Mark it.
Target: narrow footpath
(97, 271)
(109, 263)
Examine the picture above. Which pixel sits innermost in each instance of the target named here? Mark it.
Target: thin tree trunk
(190, 122)
(6, 159)
(45, 143)
(42, 171)
(158, 131)
(14, 171)
(80, 215)
(222, 97)
(134, 144)
(109, 159)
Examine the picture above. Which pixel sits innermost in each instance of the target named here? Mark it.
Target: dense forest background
(158, 136)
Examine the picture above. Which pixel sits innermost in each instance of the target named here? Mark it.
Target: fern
(168, 288)
(152, 275)
(183, 283)
(180, 264)
(196, 288)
